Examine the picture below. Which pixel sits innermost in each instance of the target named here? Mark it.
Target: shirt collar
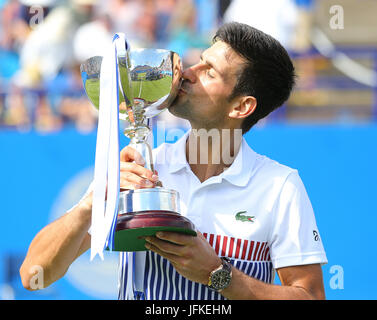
(239, 173)
(178, 160)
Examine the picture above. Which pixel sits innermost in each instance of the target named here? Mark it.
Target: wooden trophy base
(131, 229)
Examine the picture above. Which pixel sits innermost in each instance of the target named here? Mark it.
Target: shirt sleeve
(294, 238)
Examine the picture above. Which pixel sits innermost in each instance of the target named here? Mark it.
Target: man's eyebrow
(211, 65)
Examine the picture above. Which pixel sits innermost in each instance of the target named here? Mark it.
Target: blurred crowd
(43, 43)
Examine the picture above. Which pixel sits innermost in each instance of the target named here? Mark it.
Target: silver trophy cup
(149, 82)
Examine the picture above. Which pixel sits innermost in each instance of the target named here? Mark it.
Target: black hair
(268, 74)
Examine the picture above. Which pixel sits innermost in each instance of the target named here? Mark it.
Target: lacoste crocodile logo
(241, 217)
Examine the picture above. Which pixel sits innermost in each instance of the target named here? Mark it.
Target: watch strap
(226, 264)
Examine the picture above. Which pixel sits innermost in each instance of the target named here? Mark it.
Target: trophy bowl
(149, 81)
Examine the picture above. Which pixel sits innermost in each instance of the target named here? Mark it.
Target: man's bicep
(308, 277)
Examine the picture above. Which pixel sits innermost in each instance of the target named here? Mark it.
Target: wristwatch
(220, 278)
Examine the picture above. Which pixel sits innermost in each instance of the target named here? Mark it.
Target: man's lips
(182, 89)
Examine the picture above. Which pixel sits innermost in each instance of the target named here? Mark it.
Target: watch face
(220, 279)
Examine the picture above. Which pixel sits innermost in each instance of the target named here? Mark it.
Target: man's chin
(178, 109)
(174, 105)
(172, 110)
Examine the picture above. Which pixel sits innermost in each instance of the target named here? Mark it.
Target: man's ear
(243, 107)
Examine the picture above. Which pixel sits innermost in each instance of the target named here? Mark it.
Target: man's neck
(211, 152)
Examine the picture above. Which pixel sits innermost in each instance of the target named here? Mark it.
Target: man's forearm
(56, 246)
(244, 287)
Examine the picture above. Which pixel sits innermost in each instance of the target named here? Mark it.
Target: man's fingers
(129, 178)
(171, 257)
(129, 154)
(165, 246)
(176, 238)
(133, 174)
(138, 170)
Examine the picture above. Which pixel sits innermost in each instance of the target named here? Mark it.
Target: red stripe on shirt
(211, 236)
(245, 242)
(250, 250)
(261, 250)
(268, 258)
(238, 248)
(217, 248)
(231, 244)
(243, 249)
(223, 250)
(256, 251)
(265, 252)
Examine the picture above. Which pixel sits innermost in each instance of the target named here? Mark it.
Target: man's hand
(192, 257)
(133, 175)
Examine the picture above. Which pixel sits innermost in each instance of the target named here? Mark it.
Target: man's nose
(190, 74)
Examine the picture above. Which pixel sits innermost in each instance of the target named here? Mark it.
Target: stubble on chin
(179, 108)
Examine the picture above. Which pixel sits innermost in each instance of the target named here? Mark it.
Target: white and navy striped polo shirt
(257, 213)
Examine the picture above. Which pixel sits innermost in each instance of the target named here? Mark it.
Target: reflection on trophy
(149, 82)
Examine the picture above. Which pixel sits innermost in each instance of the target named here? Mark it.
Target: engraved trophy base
(144, 212)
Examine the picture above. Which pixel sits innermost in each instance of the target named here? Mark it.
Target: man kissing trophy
(132, 86)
